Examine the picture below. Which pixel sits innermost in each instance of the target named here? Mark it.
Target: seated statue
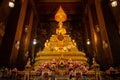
(73, 43)
(47, 44)
(60, 30)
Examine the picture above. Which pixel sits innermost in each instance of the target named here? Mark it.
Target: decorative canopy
(60, 16)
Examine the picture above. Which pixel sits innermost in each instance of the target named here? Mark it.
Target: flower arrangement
(39, 71)
(14, 70)
(46, 64)
(53, 67)
(72, 74)
(76, 64)
(70, 67)
(111, 70)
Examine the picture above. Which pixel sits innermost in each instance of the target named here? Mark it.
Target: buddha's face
(60, 25)
(46, 40)
(73, 40)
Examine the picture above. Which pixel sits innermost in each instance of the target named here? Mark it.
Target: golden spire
(60, 16)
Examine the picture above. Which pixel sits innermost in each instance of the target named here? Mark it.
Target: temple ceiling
(74, 8)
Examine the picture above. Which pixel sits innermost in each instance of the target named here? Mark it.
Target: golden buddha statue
(47, 43)
(60, 30)
(73, 43)
(60, 17)
(60, 46)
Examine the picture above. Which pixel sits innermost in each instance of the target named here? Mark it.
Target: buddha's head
(60, 24)
(47, 41)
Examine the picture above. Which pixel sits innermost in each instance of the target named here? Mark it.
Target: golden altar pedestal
(60, 46)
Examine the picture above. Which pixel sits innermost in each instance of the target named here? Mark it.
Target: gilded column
(93, 34)
(27, 41)
(18, 34)
(103, 33)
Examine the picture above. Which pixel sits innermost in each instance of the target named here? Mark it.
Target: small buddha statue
(94, 61)
(73, 43)
(60, 30)
(47, 43)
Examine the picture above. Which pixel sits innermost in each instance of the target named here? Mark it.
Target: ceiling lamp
(34, 41)
(88, 42)
(113, 3)
(11, 3)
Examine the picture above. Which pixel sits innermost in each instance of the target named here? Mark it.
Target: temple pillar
(92, 31)
(30, 26)
(18, 34)
(99, 37)
(2, 31)
(103, 33)
(33, 40)
(25, 39)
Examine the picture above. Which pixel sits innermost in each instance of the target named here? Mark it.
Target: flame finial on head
(60, 16)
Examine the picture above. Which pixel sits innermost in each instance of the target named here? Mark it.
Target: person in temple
(60, 30)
